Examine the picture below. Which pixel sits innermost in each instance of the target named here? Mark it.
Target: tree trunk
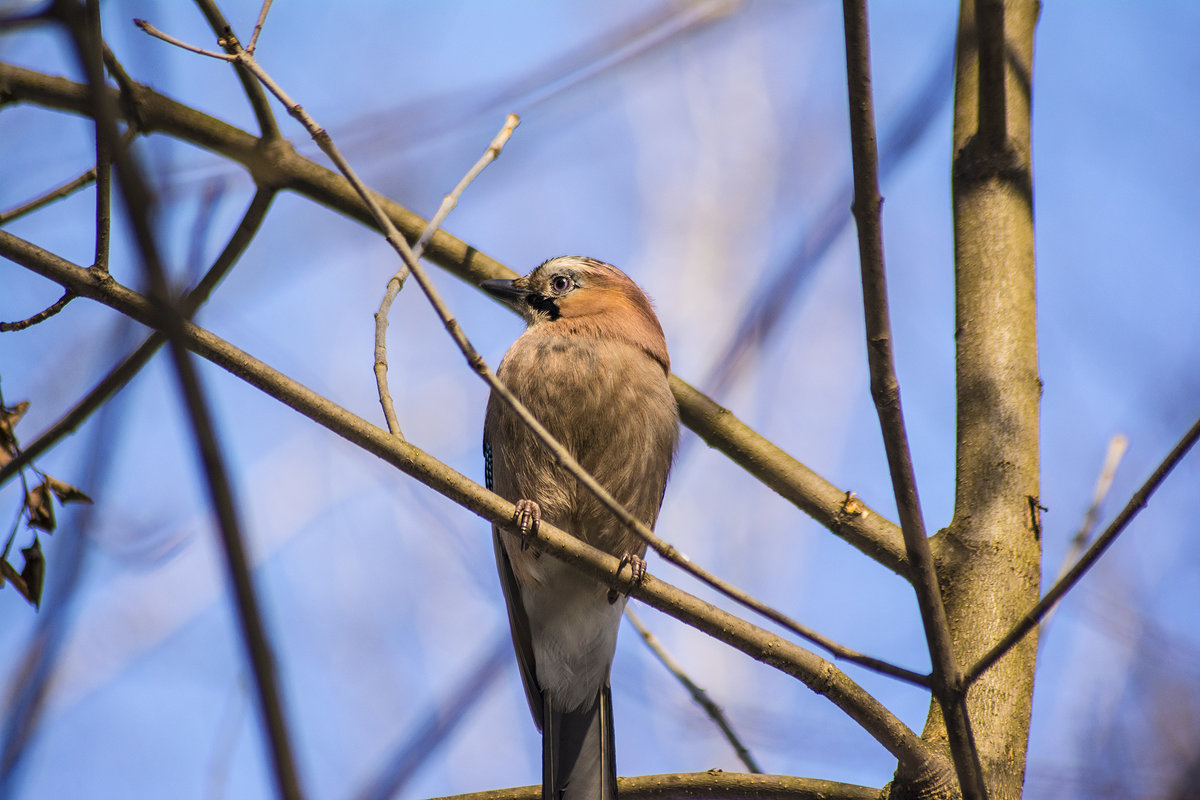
(989, 558)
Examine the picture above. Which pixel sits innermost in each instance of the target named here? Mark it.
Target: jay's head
(573, 295)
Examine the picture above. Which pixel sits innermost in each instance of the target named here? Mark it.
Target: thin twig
(1064, 584)
(103, 158)
(760, 644)
(268, 128)
(396, 282)
(1112, 459)
(1091, 518)
(885, 391)
(157, 34)
(57, 193)
(258, 26)
(43, 315)
(558, 452)
(714, 711)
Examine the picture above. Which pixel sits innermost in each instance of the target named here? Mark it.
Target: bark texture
(989, 557)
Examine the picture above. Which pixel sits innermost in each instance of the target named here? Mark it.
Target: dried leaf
(40, 507)
(66, 493)
(33, 573)
(9, 417)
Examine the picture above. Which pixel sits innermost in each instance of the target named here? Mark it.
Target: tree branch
(699, 695)
(711, 785)
(885, 390)
(57, 193)
(396, 282)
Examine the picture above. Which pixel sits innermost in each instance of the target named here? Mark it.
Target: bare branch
(698, 694)
(396, 283)
(258, 26)
(711, 785)
(157, 34)
(283, 167)
(862, 527)
(268, 128)
(43, 315)
(762, 645)
(57, 193)
(885, 390)
(1064, 584)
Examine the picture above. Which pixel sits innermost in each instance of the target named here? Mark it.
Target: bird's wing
(519, 623)
(518, 620)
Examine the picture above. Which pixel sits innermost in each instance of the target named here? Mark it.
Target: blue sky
(699, 166)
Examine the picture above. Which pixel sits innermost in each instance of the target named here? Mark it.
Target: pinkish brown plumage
(592, 366)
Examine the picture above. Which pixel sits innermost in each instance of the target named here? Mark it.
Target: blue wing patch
(487, 464)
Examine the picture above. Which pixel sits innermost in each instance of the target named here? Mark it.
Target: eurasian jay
(592, 366)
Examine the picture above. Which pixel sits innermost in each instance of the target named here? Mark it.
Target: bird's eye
(560, 283)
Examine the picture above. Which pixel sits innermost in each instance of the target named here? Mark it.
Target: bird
(592, 367)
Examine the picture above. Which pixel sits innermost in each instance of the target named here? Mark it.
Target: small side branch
(697, 692)
(885, 390)
(41, 316)
(396, 282)
(57, 193)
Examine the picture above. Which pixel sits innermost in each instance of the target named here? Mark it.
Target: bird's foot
(527, 517)
(637, 566)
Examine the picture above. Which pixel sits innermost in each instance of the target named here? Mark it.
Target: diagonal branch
(1064, 584)
(885, 390)
(699, 695)
(396, 282)
(818, 674)
(280, 166)
(57, 193)
(268, 128)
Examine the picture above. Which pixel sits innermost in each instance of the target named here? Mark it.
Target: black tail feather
(579, 759)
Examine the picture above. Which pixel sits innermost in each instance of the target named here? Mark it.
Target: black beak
(503, 289)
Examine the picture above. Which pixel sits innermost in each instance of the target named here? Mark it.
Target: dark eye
(560, 283)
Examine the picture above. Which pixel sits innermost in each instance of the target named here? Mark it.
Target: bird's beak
(503, 289)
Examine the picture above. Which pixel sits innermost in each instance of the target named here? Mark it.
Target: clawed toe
(527, 517)
(637, 567)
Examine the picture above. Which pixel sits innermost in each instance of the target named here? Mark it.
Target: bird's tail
(579, 759)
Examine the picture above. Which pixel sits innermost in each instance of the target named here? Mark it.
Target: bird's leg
(527, 517)
(637, 566)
